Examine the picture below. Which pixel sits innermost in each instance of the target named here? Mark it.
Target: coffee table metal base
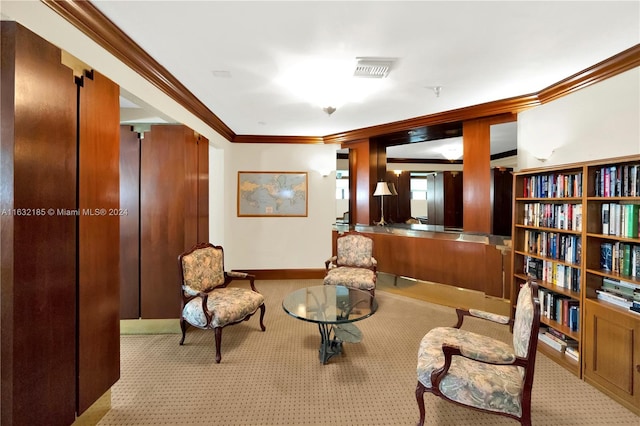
(329, 346)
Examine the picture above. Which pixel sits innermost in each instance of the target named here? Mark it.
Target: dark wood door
(203, 189)
(98, 238)
(129, 223)
(38, 198)
(502, 197)
(168, 222)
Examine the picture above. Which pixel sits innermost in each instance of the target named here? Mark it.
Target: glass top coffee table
(334, 309)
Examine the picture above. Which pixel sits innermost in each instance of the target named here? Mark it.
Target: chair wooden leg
(183, 326)
(262, 309)
(218, 332)
(420, 389)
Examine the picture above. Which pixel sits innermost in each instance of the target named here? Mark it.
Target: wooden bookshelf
(606, 334)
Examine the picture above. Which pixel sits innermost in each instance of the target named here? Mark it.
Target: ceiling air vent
(373, 67)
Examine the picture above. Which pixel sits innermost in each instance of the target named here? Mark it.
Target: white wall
(600, 121)
(281, 242)
(342, 206)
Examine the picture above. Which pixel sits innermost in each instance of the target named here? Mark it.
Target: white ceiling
(232, 55)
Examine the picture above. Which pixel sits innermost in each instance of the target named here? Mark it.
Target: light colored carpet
(275, 377)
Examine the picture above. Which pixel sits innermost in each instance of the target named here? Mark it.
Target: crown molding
(617, 64)
(278, 139)
(88, 19)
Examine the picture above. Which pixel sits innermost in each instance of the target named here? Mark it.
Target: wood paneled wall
(470, 265)
(98, 238)
(203, 189)
(172, 216)
(60, 238)
(129, 223)
(38, 292)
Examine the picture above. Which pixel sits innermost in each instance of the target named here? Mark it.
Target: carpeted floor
(275, 377)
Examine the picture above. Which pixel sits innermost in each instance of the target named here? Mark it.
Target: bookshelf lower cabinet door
(611, 353)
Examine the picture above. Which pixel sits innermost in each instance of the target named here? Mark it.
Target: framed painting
(272, 194)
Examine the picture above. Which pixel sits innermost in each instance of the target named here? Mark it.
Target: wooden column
(477, 176)
(38, 185)
(98, 238)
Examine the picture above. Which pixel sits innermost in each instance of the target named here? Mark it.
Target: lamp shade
(392, 188)
(382, 189)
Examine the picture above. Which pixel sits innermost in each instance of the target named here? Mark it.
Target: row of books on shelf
(559, 308)
(554, 185)
(560, 342)
(567, 248)
(561, 216)
(621, 293)
(622, 258)
(618, 181)
(552, 272)
(621, 220)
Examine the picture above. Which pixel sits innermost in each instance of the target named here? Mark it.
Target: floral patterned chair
(354, 265)
(207, 302)
(478, 371)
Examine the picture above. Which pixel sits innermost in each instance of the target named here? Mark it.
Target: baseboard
(150, 326)
(286, 274)
(95, 412)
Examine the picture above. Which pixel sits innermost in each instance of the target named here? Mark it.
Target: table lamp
(382, 189)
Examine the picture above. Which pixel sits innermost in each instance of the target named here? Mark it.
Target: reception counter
(434, 253)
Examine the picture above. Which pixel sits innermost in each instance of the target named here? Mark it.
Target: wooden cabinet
(611, 332)
(165, 187)
(612, 353)
(562, 237)
(59, 317)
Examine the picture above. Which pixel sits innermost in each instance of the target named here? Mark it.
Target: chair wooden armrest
(189, 294)
(330, 261)
(237, 275)
(476, 313)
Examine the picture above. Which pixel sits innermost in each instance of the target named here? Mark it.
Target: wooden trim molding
(278, 139)
(88, 19)
(617, 64)
(286, 274)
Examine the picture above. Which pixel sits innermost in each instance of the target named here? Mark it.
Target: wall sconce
(543, 155)
(382, 190)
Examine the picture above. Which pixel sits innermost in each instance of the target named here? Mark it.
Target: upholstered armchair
(480, 372)
(207, 302)
(354, 265)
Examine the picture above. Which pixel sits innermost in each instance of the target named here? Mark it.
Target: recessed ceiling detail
(373, 67)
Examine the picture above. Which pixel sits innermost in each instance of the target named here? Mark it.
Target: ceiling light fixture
(451, 152)
(437, 90)
(329, 110)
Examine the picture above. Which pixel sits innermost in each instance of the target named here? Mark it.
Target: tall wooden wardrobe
(59, 233)
(164, 186)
